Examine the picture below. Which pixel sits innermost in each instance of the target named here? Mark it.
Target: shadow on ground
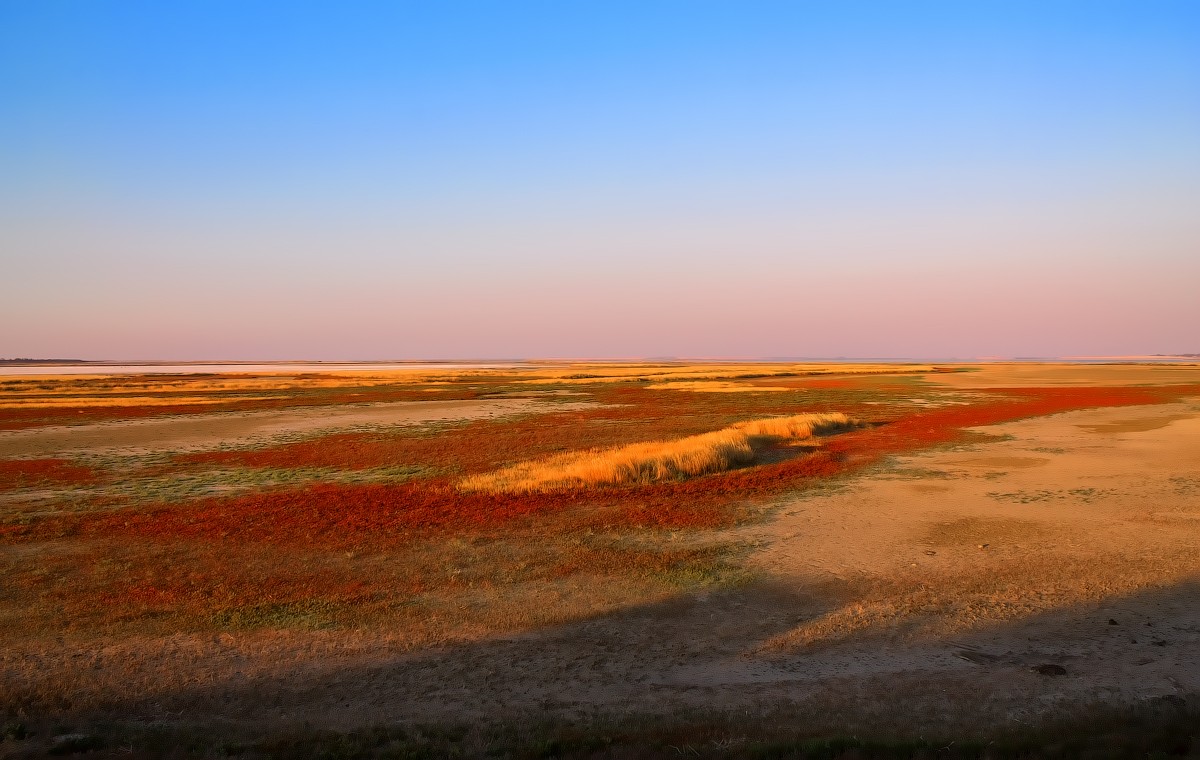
(691, 658)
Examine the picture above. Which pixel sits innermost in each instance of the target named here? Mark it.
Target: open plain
(263, 561)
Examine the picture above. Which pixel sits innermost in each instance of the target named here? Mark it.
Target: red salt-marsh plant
(433, 560)
(21, 417)
(426, 561)
(85, 585)
(28, 473)
(661, 460)
(625, 415)
(351, 515)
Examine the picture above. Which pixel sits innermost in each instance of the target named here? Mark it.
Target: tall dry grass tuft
(656, 461)
(796, 427)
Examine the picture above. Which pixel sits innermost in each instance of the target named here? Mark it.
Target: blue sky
(373, 180)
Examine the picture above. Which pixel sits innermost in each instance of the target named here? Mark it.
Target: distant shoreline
(34, 367)
(23, 362)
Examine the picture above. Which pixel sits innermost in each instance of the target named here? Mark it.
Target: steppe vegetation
(658, 461)
(509, 502)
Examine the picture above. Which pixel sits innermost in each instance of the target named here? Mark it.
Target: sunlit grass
(656, 461)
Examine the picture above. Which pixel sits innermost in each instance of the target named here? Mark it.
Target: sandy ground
(201, 431)
(920, 595)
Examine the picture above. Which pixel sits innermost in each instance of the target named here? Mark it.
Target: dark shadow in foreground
(681, 677)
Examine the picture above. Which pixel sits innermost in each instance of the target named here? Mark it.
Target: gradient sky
(228, 179)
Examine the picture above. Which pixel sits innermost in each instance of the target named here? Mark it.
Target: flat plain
(268, 561)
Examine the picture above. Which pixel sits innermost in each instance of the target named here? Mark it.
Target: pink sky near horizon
(183, 181)
(1098, 274)
(749, 286)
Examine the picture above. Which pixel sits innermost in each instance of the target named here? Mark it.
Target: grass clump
(656, 461)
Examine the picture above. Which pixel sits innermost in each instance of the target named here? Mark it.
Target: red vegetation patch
(111, 582)
(348, 451)
(17, 418)
(210, 589)
(325, 515)
(27, 473)
(380, 515)
(629, 415)
(32, 417)
(391, 514)
(945, 424)
(613, 561)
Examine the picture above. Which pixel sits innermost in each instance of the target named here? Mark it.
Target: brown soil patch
(1138, 425)
(1009, 581)
(928, 487)
(1002, 462)
(984, 532)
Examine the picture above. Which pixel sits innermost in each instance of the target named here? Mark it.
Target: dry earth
(944, 577)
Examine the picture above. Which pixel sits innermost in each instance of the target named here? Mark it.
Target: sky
(237, 179)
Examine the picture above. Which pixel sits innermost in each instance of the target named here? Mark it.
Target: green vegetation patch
(1085, 495)
(186, 485)
(308, 614)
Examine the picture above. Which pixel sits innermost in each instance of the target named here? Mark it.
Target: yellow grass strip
(655, 461)
(796, 427)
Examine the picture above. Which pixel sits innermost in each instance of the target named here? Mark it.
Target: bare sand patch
(201, 431)
(1006, 583)
(928, 487)
(1137, 425)
(1001, 462)
(1105, 483)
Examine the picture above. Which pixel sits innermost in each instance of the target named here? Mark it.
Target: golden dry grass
(796, 427)
(656, 461)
